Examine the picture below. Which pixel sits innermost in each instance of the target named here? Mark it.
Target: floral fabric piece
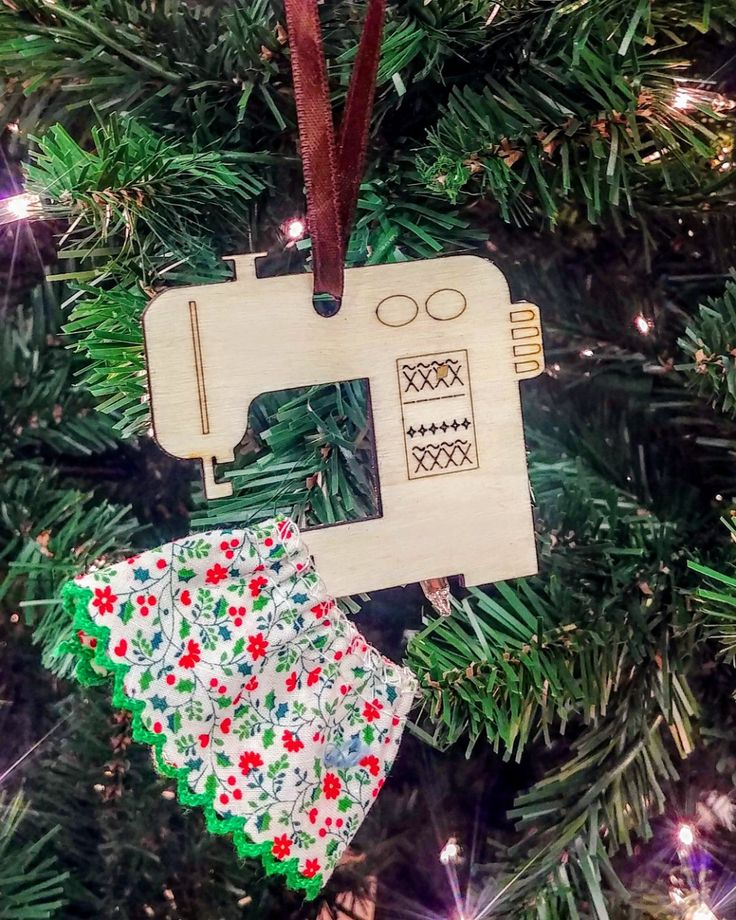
(258, 695)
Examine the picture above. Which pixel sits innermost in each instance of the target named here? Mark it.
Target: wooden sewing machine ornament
(440, 344)
(442, 348)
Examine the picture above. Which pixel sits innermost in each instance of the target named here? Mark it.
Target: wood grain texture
(443, 350)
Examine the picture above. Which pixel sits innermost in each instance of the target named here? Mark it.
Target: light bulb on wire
(642, 324)
(19, 207)
(294, 229)
(682, 100)
(451, 854)
(687, 98)
(686, 835)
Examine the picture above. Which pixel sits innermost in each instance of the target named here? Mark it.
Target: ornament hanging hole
(326, 304)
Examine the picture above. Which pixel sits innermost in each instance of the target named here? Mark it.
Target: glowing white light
(17, 207)
(683, 100)
(685, 835)
(703, 913)
(643, 326)
(586, 353)
(295, 228)
(450, 852)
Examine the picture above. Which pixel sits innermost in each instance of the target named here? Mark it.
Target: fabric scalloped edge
(90, 664)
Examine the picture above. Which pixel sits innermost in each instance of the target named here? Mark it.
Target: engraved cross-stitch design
(444, 456)
(437, 403)
(435, 375)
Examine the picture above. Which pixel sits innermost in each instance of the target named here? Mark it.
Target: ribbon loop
(332, 169)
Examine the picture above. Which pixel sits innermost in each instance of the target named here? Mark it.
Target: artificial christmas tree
(584, 716)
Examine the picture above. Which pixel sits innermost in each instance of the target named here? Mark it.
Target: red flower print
(229, 548)
(185, 598)
(378, 788)
(238, 613)
(291, 682)
(331, 786)
(313, 676)
(372, 711)
(322, 609)
(281, 847)
(311, 868)
(216, 574)
(284, 529)
(291, 743)
(252, 684)
(104, 600)
(313, 816)
(121, 648)
(249, 760)
(257, 646)
(192, 655)
(371, 763)
(255, 585)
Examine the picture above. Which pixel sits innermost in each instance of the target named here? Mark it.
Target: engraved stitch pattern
(434, 428)
(437, 414)
(433, 376)
(442, 456)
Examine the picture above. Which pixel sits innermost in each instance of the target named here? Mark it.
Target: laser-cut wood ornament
(443, 350)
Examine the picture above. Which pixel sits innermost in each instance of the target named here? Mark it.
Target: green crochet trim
(76, 602)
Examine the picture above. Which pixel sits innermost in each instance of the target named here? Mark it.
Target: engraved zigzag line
(432, 364)
(442, 456)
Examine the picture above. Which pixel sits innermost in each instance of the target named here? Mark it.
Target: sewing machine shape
(442, 348)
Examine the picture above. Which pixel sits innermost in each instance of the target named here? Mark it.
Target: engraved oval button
(397, 310)
(446, 304)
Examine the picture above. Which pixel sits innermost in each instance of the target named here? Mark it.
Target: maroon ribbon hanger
(333, 168)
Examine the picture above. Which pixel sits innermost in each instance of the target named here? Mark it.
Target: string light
(642, 324)
(294, 228)
(702, 912)
(450, 852)
(683, 100)
(687, 98)
(686, 835)
(18, 207)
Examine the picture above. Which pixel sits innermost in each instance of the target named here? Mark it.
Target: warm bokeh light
(683, 100)
(643, 325)
(450, 852)
(18, 207)
(295, 228)
(703, 912)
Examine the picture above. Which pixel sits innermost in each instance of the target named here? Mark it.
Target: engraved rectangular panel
(437, 414)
